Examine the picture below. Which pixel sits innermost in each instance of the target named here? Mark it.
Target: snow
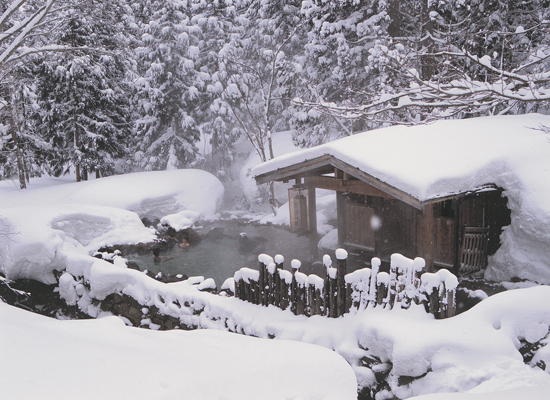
(56, 226)
(53, 227)
(341, 254)
(93, 359)
(511, 152)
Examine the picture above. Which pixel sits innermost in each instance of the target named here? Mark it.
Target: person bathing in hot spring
(158, 258)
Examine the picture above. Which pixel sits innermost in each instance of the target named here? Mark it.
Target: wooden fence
(338, 293)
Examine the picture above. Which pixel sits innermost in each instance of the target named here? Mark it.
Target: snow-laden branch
(502, 90)
(29, 25)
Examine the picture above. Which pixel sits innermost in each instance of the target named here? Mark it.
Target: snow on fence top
(339, 293)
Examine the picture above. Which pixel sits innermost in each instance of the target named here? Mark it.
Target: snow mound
(57, 227)
(41, 240)
(152, 195)
(477, 349)
(143, 364)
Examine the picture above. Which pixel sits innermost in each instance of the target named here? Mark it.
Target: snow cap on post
(341, 254)
(419, 264)
(327, 261)
(375, 262)
(265, 259)
(279, 259)
(296, 264)
(271, 267)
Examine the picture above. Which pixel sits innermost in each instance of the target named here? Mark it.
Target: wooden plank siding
(357, 222)
(444, 238)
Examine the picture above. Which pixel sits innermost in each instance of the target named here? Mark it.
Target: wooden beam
(340, 216)
(312, 210)
(378, 232)
(371, 180)
(319, 164)
(427, 231)
(340, 185)
(293, 170)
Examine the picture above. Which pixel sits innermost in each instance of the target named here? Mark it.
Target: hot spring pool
(220, 258)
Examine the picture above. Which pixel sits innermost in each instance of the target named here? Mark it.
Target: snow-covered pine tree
(218, 22)
(344, 64)
(84, 112)
(170, 92)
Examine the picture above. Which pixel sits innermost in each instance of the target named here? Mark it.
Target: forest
(108, 87)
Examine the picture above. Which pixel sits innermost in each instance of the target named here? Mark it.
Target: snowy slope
(153, 194)
(453, 156)
(51, 225)
(104, 359)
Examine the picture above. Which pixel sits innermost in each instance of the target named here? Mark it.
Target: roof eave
(294, 170)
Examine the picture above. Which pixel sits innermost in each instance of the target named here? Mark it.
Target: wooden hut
(456, 228)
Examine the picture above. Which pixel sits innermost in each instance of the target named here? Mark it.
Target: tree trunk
(15, 133)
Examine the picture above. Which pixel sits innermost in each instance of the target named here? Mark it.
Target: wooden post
(375, 264)
(295, 267)
(382, 290)
(442, 311)
(340, 216)
(261, 283)
(327, 262)
(341, 257)
(301, 280)
(378, 230)
(312, 306)
(279, 261)
(237, 280)
(284, 295)
(434, 302)
(451, 304)
(333, 312)
(427, 229)
(392, 287)
(312, 210)
(247, 291)
(270, 288)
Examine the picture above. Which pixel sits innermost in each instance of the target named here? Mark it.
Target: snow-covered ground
(43, 358)
(56, 225)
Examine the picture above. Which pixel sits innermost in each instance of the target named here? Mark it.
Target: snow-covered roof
(442, 158)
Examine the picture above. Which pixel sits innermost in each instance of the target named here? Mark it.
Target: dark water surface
(220, 258)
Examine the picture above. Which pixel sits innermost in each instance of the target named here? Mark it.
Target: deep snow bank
(57, 226)
(102, 358)
(152, 194)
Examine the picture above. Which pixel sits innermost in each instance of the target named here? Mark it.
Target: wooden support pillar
(457, 242)
(312, 210)
(427, 231)
(378, 240)
(340, 217)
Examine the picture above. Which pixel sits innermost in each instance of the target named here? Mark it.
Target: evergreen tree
(82, 97)
(170, 92)
(344, 64)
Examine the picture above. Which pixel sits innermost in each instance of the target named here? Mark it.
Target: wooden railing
(338, 293)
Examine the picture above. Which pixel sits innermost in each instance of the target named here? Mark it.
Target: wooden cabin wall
(357, 224)
(442, 234)
(396, 232)
(393, 230)
(444, 241)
